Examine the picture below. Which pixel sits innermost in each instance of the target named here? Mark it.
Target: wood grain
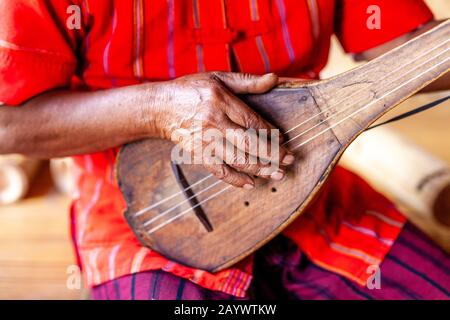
(339, 108)
(35, 247)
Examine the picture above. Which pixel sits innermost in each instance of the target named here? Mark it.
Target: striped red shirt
(123, 43)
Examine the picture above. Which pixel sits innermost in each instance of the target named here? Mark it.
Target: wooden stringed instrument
(189, 216)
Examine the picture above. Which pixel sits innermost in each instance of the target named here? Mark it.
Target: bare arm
(442, 83)
(68, 123)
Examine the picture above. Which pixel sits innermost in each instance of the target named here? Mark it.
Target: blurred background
(408, 161)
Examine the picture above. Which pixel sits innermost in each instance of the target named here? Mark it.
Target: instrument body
(331, 114)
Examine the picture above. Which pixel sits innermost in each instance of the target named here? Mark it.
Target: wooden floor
(35, 250)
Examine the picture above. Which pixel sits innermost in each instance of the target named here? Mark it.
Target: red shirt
(127, 42)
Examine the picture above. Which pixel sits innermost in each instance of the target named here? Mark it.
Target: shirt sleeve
(397, 17)
(37, 49)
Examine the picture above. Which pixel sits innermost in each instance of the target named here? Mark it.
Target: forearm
(68, 123)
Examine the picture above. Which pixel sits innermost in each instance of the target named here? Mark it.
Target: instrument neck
(360, 96)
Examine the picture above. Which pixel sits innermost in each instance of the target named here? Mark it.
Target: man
(138, 69)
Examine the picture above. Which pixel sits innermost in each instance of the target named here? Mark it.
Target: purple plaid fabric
(415, 268)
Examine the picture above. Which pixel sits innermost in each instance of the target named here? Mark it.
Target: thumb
(247, 83)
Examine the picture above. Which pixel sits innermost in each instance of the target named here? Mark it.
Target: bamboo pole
(400, 168)
(16, 175)
(63, 175)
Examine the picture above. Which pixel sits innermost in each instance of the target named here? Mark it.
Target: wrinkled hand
(206, 101)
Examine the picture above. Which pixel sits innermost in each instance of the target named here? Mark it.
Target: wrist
(153, 107)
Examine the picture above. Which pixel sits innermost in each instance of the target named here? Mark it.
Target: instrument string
(180, 203)
(351, 106)
(361, 89)
(181, 192)
(167, 211)
(296, 147)
(368, 105)
(162, 225)
(140, 212)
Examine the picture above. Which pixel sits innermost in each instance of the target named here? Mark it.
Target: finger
(225, 152)
(253, 167)
(240, 113)
(246, 117)
(260, 170)
(247, 83)
(230, 176)
(264, 148)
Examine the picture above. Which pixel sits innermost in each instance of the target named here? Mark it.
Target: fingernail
(248, 186)
(288, 159)
(277, 175)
